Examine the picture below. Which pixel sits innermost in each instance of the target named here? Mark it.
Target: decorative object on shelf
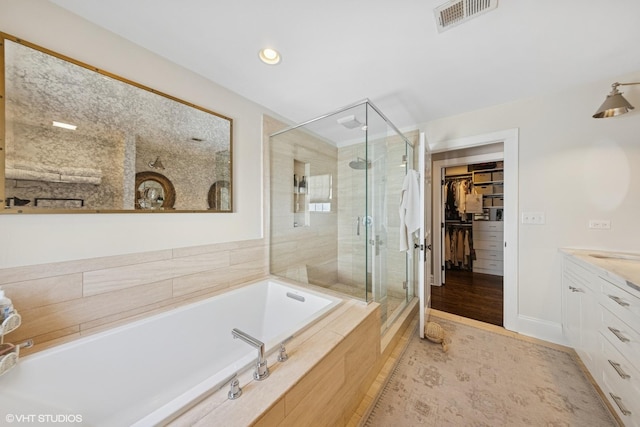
(303, 185)
(10, 324)
(10, 320)
(614, 104)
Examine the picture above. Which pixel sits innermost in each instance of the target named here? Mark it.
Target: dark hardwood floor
(473, 295)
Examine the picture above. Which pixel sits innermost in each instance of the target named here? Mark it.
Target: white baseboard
(541, 329)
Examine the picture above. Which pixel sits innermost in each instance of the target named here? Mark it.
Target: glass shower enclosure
(335, 188)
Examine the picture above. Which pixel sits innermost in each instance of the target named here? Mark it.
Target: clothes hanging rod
(460, 175)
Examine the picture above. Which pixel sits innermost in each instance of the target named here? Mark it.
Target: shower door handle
(358, 227)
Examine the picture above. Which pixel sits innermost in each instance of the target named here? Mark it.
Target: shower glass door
(393, 271)
(342, 230)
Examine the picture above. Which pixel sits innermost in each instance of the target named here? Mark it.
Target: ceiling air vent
(456, 12)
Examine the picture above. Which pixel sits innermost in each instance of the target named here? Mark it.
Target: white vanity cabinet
(601, 321)
(581, 312)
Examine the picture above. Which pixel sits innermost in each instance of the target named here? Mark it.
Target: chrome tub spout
(262, 370)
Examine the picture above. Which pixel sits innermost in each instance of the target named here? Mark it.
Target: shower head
(359, 164)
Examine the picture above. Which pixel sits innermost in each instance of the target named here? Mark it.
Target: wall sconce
(157, 163)
(614, 104)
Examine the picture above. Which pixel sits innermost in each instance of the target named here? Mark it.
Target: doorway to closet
(471, 215)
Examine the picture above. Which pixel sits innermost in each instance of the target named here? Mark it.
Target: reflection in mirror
(77, 138)
(220, 196)
(154, 191)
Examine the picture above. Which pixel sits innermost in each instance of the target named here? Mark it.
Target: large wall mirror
(78, 139)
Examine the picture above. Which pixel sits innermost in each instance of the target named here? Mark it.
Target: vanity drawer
(622, 303)
(579, 275)
(623, 337)
(621, 384)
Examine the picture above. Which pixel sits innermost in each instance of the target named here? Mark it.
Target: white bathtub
(145, 372)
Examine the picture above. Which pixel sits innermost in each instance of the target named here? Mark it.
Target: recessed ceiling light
(64, 125)
(269, 56)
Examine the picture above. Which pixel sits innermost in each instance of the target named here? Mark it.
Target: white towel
(409, 210)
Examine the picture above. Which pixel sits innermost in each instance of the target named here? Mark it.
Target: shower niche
(300, 193)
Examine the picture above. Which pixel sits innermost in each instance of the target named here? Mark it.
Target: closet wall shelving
(488, 226)
(490, 183)
(483, 231)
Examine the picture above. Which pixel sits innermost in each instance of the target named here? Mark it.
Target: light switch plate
(536, 218)
(600, 224)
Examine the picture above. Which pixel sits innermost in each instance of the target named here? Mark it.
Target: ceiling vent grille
(456, 12)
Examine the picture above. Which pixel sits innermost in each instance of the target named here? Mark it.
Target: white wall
(571, 167)
(34, 239)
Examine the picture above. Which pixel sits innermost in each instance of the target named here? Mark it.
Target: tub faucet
(282, 354)
(262, 371)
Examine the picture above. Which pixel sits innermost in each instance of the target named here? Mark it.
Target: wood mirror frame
(123, 127)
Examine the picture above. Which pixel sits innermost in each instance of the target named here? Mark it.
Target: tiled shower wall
(66, 300)
(307, 252)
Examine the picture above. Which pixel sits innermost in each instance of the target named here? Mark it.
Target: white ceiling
(336, 52)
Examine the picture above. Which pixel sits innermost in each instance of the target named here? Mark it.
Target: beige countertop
(625, 267)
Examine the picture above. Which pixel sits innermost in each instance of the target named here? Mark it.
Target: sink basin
(628, 257)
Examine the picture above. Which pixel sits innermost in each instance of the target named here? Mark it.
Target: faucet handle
(282, 355)
(235, 391)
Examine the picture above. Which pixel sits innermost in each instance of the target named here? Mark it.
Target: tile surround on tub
(64, 300)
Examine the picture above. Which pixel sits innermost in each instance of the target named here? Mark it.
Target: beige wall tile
(19, 274)
(227, 246)
(49, 290)
(244, 255)
(41, 320)
(112, 279)
(209, 280)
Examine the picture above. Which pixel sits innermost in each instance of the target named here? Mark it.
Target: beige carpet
(486, 379)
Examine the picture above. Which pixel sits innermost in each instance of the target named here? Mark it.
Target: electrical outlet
(600, 224)
(537, 218)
